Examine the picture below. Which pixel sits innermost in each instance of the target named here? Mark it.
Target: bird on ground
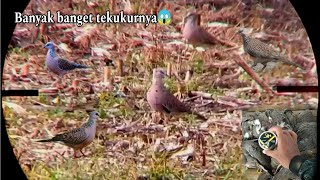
(196, 35)
(58, 65)
(80, 137)
(262, 52)
(161, 100)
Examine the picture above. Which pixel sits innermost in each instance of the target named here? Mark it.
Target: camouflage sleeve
(304, 168)
(308, 169)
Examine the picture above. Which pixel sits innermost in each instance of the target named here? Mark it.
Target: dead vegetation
(129, 144)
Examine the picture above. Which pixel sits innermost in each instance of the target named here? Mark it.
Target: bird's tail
(285, 60)
(79, 66)
(46, 140)
(58, 137)
(199, 116)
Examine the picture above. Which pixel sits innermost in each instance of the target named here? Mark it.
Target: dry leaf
(15, 107)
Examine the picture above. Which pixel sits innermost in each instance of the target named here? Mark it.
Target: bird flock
(159, 98)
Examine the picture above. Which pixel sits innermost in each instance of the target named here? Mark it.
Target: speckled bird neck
(90, 123)
(246, 39)
(52, 52)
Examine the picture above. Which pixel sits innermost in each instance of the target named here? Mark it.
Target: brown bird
(161, 100)
(194, 34)
(78, 138)
(262, 52)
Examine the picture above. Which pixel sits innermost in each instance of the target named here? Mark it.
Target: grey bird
(262, 52)
(80, 137)
(253, 154)
(58, 65)
(161, 100)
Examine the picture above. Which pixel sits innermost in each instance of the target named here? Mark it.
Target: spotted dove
(80, 137)
(262, 52)
(58, 65)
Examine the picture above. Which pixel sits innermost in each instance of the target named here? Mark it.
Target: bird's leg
(55, 83)
(193, 54)
(257, 66)
(75, 154)
(51, 76)
(83, 153)
(266, 78)
(154, 116)
(186, 49)
(58, 83)
(166, 119)
(60, 154)
(255, 62)
(159, 118)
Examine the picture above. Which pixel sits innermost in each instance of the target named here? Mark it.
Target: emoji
(164, 17)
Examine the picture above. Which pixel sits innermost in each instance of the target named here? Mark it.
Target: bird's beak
(239, 31)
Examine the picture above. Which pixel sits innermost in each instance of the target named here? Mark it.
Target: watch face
(268, 140)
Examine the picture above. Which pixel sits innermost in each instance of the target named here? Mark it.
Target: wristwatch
(296, 163)
(268, 140)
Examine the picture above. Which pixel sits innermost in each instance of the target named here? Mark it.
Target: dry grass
(129, 144)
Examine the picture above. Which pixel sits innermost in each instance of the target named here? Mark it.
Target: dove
(58, 65)
(261, 51)
(194, 34)
(161, 100)
(78, 138)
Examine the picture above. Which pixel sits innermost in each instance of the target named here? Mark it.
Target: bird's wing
(252, 148)
(165, 108)
(263, 50)
(66, 65)
(172, 104)
(75, 136)
(206, 37)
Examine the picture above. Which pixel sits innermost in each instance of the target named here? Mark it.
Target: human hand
(287, 147)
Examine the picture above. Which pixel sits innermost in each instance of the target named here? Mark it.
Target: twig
(245, 107)
(41, 104)
(229, 49)
(177, 76)
(191, 98)
(169, 69)
(254, 76)
(201, 94)
(120, 67)
(231, 76)
(205, 104)
(228, 103)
